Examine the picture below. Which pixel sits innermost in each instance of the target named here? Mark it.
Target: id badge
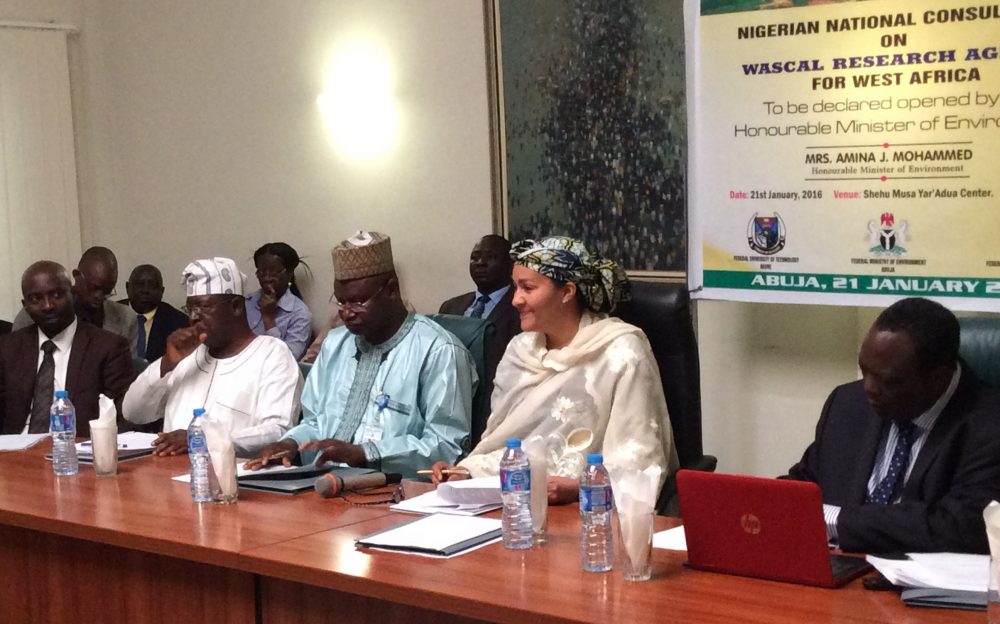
(373, 430)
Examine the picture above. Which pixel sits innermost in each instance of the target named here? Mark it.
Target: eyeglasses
(262, 273)
(354, 306)
(202, 306)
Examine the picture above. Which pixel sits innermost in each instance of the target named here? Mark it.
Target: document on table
(936, 570)
(480, 491)
(671, 539)
(432, 502)
(20, 441)
(438, 535)
(242, 472)
(131, 445)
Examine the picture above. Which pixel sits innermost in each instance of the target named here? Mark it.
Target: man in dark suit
(156, 318)
(490, 267)
(908, 457)
(57, 352)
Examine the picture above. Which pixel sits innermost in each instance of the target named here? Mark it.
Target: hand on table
(173, 443)
(563, 490)
(285, 450)
(337, 451)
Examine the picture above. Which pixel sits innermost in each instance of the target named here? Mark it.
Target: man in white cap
(390, 390)
(219, 364)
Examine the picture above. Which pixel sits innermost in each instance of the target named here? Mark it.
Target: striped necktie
(479, 307)
(45, 388)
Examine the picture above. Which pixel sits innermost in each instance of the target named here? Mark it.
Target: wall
(200, 135)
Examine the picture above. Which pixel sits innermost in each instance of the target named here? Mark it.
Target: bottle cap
(62, 394)
(199, 411)
(595, 458)
(513, 443)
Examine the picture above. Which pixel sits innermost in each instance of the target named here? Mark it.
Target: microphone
(330, 485)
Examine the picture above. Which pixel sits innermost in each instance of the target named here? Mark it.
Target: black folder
(295, 480)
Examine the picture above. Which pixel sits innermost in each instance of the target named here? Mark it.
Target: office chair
(980, 347)
(477, 336)
(663, 311)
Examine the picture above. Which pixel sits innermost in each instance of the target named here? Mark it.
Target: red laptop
(765, 528)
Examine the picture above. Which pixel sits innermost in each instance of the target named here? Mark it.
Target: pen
(455, 471)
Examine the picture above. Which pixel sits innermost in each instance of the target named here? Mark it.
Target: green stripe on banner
(858, 284)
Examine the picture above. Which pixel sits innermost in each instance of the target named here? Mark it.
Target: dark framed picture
(590, 126)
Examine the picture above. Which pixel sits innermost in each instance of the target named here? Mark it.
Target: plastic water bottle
(201, 491)
(515, 486)
(597, 551)
(62, 425)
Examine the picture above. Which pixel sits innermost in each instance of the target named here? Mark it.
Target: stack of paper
(938, 579)
(20, 442)
(131, 444)
(468, 497)
(437, 535)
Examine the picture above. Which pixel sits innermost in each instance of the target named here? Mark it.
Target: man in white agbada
(583, 381)
(250, 382)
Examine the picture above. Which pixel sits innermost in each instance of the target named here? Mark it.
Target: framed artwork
(590, 126)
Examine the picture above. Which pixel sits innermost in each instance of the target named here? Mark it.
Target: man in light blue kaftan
(390, 390)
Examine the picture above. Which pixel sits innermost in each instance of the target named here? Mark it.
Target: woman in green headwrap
(581, 380)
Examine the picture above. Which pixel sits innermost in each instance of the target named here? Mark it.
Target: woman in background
(574, 376)
(277, 309)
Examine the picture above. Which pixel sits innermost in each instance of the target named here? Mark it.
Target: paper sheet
(431, 502)
(20, 441)
(438, 532)
(671, 539)
(127, 440)
(481, 491)
(241, 471)
(936, 570)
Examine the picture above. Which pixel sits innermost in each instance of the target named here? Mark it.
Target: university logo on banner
(766, 235)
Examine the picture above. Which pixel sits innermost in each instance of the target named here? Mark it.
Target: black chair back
(980, 347)
(663, 311)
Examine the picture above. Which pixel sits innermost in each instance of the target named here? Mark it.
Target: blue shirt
(292, 321)
(495, 298)
(407, 402)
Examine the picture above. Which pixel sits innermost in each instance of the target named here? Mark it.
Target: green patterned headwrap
(602, 282)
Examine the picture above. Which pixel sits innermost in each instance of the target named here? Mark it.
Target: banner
(844, 153)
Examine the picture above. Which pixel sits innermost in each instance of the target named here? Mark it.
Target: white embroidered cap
(213, 276)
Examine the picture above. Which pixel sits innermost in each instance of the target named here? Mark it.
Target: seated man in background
(490, 267)
(155, 318)
(94, 281)
(908, 457)
(56, 352)
(390, 390)
(252, 382)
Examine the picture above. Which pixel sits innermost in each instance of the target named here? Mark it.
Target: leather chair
(663, 311)
(477, 336)
(980, 347)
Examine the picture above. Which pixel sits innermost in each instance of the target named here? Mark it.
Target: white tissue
(223, 454)
(635, 497)
(991, 516)
(104, 436)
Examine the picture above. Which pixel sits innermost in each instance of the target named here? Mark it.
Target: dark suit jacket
(955, 476)
(99, 362)
(165, 321)
(505, 316)
(5, 327)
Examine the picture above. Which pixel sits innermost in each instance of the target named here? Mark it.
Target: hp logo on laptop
(750, 524)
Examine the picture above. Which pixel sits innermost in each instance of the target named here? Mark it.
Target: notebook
(294, 480)
(439, 535)
(765, 528)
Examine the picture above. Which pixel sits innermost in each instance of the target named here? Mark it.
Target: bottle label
(597, 498)
(515, 480)
(61, 422)
(196, 443)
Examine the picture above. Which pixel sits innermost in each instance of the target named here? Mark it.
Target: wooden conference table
(133, 548)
